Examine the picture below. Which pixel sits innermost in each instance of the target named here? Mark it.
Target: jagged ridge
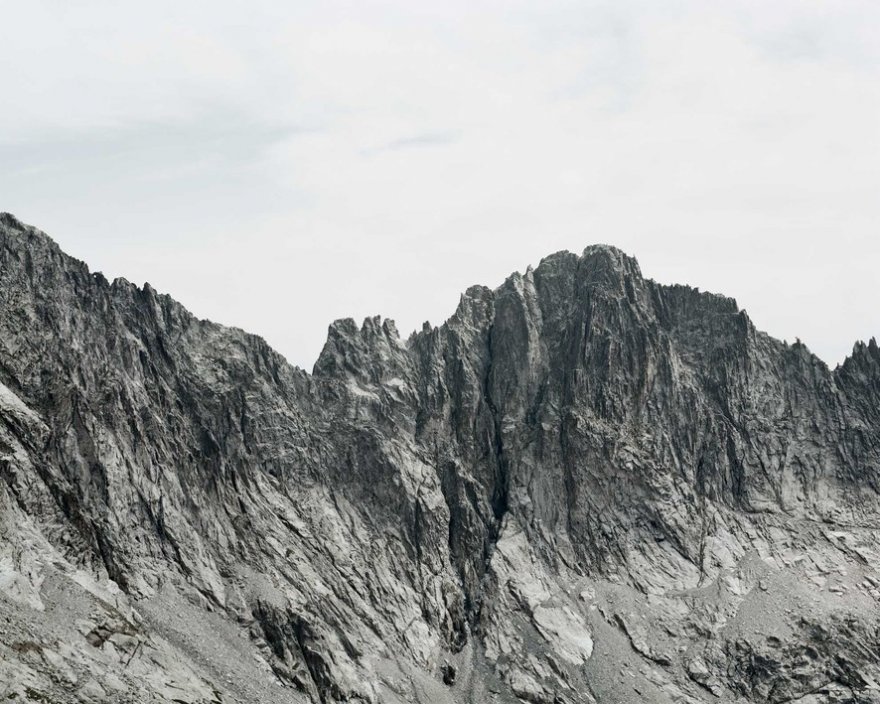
(580, 472)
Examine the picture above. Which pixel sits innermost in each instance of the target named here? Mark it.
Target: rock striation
(583, 487)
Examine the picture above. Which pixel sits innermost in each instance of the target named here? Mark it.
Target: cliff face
(584, 486)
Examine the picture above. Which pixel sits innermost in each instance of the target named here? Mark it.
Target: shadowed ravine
(583, 487)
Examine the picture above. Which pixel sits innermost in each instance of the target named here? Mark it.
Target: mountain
(584, 486)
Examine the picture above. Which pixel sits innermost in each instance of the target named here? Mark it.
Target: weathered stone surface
(583, 487)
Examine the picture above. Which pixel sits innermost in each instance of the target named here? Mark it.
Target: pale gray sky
(276, 165)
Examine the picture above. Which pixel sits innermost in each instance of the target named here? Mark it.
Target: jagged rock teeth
(583, 487)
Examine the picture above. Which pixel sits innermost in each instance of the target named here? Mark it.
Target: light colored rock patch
(565, 631)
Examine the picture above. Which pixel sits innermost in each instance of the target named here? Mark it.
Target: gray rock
(583, 487)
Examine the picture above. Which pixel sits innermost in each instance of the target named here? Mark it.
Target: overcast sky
(277, 165)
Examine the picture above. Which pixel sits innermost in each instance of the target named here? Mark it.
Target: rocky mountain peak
(370, 352)
(602, 260)
(10, 221)
(585, 486)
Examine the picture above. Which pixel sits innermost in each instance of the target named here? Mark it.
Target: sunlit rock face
(583, 487)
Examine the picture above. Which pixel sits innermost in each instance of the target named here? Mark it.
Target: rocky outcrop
(583, 487)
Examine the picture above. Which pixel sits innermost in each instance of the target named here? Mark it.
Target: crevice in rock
(315, 663)
(501, 486)
(279, 634)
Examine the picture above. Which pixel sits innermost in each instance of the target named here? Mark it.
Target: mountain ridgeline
(584, 486)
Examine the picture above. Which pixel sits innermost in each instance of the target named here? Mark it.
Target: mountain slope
(584, 486)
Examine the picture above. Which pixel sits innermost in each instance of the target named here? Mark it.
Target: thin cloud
(425, 140)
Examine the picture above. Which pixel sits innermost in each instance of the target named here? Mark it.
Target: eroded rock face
(583, 487)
